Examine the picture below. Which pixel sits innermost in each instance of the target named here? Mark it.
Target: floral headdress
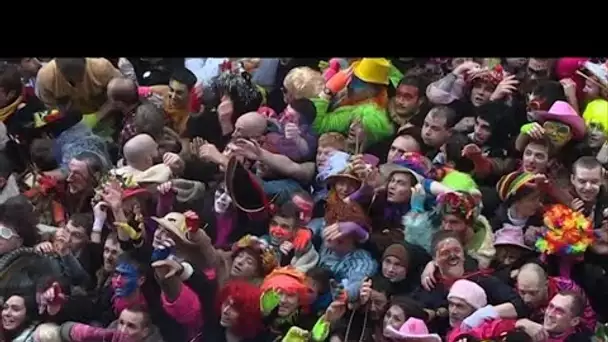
(459, 203)
(493, 76)
(261, 250)
(567, 232)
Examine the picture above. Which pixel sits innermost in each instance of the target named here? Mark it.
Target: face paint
(559, 133)
(124, 281)
(596, 135)
(305, 207)
(279, 234)
(222, 201)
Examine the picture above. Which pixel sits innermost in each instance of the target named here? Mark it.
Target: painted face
(222, 200)
(596, 135)
(178, 94)
(124, 281)
(450, 257)
(13, 313)
(281, 229)
(559, 133)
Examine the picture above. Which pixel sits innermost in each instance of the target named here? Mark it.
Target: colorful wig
(291, 281)
(567, 232)
(246, 300)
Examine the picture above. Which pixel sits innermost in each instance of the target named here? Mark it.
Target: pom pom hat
(567, 232)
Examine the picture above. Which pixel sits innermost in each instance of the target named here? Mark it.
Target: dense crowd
(295, 200)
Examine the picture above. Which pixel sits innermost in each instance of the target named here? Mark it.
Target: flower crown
(567, 232)
(267, 257)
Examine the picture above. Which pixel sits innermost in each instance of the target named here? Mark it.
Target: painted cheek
(278, 232)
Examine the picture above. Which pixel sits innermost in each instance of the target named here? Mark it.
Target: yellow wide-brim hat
(372, 70)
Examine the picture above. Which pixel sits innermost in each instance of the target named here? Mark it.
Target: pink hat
(511, 236)
(470, 292)
(563, 112)
(412, 329)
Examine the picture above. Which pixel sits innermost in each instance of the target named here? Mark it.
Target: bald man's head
(140, 152)
(250, 125)
(123, 90)
(532, 284)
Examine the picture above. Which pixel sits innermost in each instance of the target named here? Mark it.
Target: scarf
(10, 109)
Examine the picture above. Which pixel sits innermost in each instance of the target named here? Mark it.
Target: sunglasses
(6, 233)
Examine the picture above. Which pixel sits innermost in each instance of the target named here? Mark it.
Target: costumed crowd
(296, 200)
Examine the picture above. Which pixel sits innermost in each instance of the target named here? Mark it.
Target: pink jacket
(185, 310)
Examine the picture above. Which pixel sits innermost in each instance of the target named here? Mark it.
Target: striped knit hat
(513, 182)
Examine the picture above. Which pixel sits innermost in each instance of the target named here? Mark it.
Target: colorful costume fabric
(337, 115)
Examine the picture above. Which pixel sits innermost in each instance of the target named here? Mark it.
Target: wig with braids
(246, 301)
(336, 210)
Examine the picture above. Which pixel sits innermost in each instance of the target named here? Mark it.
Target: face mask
(124, 282)
(222, 201)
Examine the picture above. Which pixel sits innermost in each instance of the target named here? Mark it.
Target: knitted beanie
(470, 292)
(511, 183)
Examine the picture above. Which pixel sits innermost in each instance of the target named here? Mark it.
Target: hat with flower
(459, 203)
(411, 162)
(259, 249)
(567, 232)
(493, 76)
